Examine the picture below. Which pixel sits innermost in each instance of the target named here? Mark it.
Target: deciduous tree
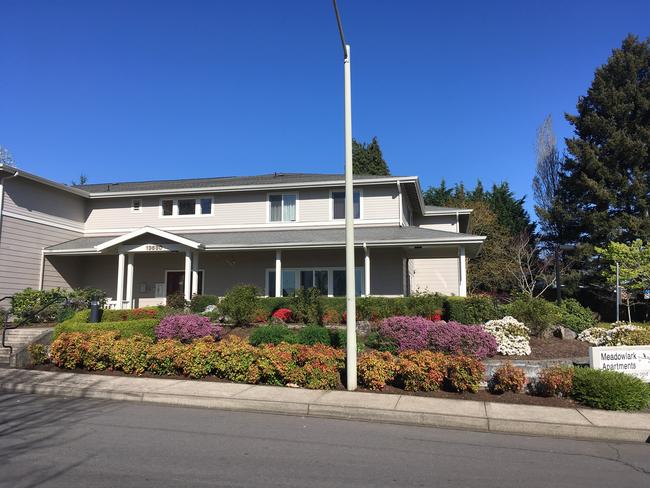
(6, 157)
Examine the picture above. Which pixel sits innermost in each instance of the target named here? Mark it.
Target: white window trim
(139, 209)
(197, 207)
(330, 277)
(268, 208)
(331, 200)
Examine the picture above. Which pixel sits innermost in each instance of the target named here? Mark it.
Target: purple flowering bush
(458, 339)
(420, 334)
(187, 328)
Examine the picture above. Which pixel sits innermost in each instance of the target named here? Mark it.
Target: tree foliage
(606, 183)
(6, 157)
(546, 183)
(367, 159)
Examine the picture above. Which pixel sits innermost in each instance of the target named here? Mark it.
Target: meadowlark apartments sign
(632, 360)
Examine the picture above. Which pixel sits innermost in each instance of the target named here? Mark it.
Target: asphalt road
(80, 443)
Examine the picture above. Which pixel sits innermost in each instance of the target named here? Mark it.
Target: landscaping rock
(277, 321)
(364, 327)
(210, 308)
(565, 334)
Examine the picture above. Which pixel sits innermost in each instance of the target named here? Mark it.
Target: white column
(278, 273)
(188, 274)
(195, 273)
(367, 270)
(462, 276)
(129, 279)
(120, 281)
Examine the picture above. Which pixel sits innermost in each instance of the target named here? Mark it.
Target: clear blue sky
(139, 90)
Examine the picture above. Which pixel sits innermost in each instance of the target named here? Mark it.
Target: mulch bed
(552, 348)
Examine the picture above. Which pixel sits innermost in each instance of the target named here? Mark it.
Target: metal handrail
(27, 319)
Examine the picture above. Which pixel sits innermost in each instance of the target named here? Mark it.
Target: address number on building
(151, 247)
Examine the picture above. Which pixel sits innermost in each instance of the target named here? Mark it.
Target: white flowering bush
(512, 336)
(616, 336)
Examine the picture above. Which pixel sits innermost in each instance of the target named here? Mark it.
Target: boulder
(565, 334)
(210, 308)
(277, 321)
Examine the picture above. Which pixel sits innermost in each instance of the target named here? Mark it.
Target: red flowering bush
(67, 350)
(276, 363)
(556, 381)
(318, 366)
(260, 316)
(509, 378)
(421, 370)
(284, 314)
(139, 314)
(187, 328)
(464, 373)
(332, 317)
(376, 369)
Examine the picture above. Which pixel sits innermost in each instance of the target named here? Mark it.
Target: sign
(632, 360)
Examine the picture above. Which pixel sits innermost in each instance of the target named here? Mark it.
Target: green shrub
(609, 390)
(381, 343)
(455, 310)
(272, 334)
(199, 303)
(536, 313)
(479, 310)
(339, 340)
(28, 301)
(374, 309)
(313, 334)
(638, 338)
(127, 329)
(240, 303)
(423, 304)
(575, 316)
(308, 306)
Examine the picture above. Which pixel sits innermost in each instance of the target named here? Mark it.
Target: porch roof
(417, 241)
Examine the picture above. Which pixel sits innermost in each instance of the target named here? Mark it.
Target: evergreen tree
(510, 210)
(367, 159)
(605, 184)
(438, 196)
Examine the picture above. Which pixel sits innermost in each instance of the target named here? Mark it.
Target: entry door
(176, 282)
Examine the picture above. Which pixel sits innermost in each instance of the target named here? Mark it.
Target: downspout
(399, 190)
(2, 195)
(457, 223)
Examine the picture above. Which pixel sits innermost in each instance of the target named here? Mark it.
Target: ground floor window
(330, 281)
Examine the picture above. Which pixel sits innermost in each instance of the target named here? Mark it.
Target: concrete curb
(397, 409)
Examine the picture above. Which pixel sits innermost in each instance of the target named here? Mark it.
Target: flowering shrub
(97, 349)
(407, 333)
(66, 350)
(511, 335)
(260, 316)
(464, 373)
(199, 358)
(556, 381)
(332, 317)
(509, 378)
(37, 352)
(276, 363)
(187, 328)
(375, 369)
(284, 314)
(622, 335)
(138, 314)
(318, 366)
(162, 355)
(130, 355)
(454, 338)
(422, 370)
(344, 319)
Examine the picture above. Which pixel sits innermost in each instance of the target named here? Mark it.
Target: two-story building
(140, 241)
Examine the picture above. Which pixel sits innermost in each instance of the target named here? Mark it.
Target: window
(330, 282)
(186, 206)
(282, 208)
(338, 204)
(136, 205)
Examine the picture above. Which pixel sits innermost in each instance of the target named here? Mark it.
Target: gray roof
(305, 238)
(230, 181)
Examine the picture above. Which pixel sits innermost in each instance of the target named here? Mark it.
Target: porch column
(462, 277)
(188, 274)
(195, 273)
(120, 281)
(367, 270)
(278, 273)
(129, 279)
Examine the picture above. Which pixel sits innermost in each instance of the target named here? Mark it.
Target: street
(82, 443)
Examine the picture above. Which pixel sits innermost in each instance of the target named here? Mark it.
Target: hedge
(127, 328)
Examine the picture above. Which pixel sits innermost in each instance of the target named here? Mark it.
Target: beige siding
(380, 202)
(387, 276)
(314, 205)
(36, 201)
(444, 222)
(21, 243)
(435, 275)
(406, 210)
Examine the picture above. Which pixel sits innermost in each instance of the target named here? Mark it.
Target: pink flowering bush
(420, 334)
(187, 328)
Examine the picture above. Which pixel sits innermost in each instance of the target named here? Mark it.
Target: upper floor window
(338, 204)
(282, 208)
(170, 207)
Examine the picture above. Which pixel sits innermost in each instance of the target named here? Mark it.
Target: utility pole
(351, 308)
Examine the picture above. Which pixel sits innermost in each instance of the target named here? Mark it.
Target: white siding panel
(444, 222)
(21, 243)
(37, 201)
(435, 275)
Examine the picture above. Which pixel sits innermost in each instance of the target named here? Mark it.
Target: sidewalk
(576, 423)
